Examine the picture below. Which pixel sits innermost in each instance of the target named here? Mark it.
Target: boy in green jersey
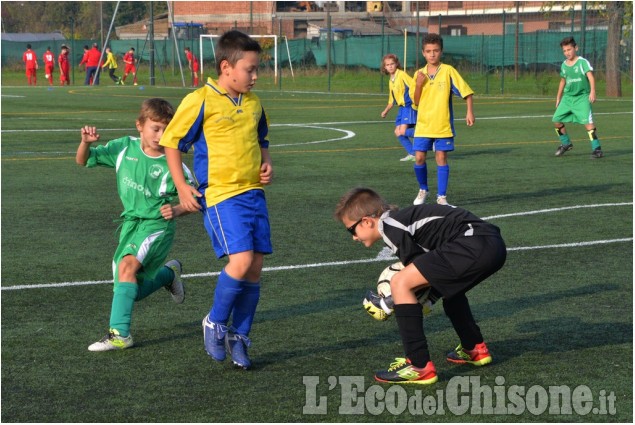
(145, 188)
(575, 95)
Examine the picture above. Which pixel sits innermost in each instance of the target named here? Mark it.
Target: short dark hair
(232, 45)
(156, 109)
(432, 39)
(361, 202)
(132, 48)
(28, 46)
(568, 41)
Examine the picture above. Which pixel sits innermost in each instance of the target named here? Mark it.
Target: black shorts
(455, 267)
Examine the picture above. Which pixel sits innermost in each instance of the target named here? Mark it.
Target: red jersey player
(49, 64)
(128, 59)
(62, 60)
(193, 64)
(30, 61)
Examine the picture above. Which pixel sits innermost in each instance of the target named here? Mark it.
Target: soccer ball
(383, 283)
(380, 306)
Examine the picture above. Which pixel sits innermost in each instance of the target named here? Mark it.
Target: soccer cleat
(421, 197)
(214, 339)
(564, 148)
(408, 158)
(134, 84)
(112, 341)
(236, 345)
(401, 371)
(442, 200)
(597, 153)
(379, 308)
(479, 356)
(176, 288)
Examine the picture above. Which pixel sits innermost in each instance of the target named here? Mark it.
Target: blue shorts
(239, 224)
(424, 144)
(406, 115)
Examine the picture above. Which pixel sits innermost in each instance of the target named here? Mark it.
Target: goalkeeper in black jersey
(446, 247)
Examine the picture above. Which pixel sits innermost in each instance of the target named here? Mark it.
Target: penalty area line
(381, 257)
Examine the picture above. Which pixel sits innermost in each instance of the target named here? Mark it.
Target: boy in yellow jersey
(227, 127)
(399, 94)
(111, 63)
(435, 84)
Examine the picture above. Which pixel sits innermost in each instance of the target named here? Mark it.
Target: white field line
(380, 257)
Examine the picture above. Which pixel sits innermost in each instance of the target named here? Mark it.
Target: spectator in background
(92, 65)
(49, 65)
(30, 62)
(62, 61)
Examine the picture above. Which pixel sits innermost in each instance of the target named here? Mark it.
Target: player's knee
(560, 130)
(127, 269)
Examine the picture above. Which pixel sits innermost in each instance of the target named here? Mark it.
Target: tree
(615, 11)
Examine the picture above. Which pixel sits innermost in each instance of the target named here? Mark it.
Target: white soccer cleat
(112, 341)
(421, 197)
(408, 158)
(176, 288)
(442, 200)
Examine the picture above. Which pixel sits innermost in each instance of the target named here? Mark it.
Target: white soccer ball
(383, 283)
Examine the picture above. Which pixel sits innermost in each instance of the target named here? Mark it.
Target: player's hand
(383, 114)
(89, 134)
(188, 198)
(167, 212)
(592, 97)
(469, 119)
(421, 78)
(266, 173)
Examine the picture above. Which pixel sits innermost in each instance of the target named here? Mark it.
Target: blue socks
(443, 175)
(245, 308)
(421, 171)
(239, 297)
(407, 144)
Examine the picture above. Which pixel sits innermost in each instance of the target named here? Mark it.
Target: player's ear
(139, 126)
(225, 66)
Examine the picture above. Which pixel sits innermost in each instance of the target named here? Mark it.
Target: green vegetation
(560, 313)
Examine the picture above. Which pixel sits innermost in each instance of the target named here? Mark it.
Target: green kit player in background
(145, 188)
(575, 95)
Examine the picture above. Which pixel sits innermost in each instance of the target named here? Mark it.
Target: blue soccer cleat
(236, 345)
(214, 339)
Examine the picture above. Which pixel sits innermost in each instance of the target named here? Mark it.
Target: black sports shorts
(457, 266)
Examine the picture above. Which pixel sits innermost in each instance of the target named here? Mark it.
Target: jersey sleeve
(106, 155)
(401, 241)
(459, 86)
(187, 125)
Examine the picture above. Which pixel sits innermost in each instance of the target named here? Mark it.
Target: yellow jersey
(111, 62)
(401, 90)
(227, 135)
(435, 117)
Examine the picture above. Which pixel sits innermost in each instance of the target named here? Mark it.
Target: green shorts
(575, 109)
(150, 241)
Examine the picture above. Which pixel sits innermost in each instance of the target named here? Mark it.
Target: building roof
(31, 36)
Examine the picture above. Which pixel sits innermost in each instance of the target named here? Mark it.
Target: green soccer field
(558, 318)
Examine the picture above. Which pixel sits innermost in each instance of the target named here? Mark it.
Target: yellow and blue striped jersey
(435, 118)
(227, 135)
(401, 90)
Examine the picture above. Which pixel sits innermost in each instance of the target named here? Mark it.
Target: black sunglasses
(352, 229)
